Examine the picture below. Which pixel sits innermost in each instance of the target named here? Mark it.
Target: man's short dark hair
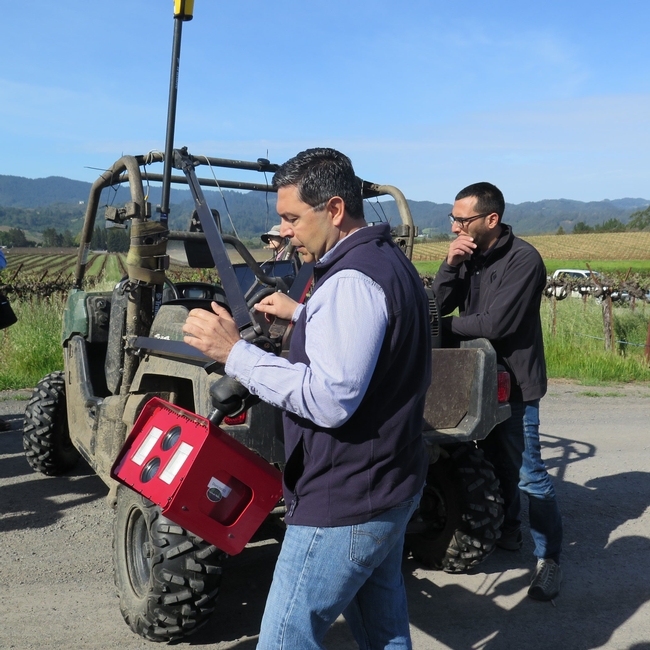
(319, 174)
(489, 198)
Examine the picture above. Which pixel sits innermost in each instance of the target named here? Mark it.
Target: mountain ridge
(58, 202)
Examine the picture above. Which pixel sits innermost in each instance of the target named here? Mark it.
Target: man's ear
(492, 220)
(336, 209)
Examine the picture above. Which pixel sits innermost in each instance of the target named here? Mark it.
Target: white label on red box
(218, 488)
(147, 445)
(176, 462)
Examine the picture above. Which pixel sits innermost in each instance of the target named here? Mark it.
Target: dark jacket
(512, 279)
(375, 460)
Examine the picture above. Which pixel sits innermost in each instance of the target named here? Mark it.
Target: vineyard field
(594, 246)
(44, 272)
(50, 272)
(590, 247)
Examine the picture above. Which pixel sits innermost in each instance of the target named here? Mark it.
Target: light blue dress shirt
(346, 323)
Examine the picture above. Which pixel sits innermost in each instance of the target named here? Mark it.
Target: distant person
(496, 281)
(275, 242)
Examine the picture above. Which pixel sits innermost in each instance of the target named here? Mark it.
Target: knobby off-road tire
(461, 510)
(46, 438)
(167, 579)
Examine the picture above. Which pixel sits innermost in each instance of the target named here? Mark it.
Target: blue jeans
(351, 570)
(513, 448)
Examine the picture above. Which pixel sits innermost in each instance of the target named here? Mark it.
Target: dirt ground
(57, 585)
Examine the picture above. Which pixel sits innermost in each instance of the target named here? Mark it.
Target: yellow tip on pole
(183, 9)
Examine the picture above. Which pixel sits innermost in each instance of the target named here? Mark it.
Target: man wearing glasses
(496, 281)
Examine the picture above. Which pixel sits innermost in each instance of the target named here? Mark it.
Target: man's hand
(213, 334)
(278, 305)
(460, 249)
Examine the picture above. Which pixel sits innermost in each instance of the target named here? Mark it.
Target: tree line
(639, 220)
(113, 240)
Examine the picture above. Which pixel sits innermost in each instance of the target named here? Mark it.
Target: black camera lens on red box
(150, 469)
(171, 438)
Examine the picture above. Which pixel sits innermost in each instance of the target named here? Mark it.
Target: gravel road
(57, 584)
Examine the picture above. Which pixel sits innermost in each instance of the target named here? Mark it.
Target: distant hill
(19, 192)
(56, 202)
(531, 217)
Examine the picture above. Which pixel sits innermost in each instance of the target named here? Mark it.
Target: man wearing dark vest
(496, 281)
(352, 391)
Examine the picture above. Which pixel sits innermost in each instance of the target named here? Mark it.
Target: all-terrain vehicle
(123, 347)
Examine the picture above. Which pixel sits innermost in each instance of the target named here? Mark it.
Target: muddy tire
(167, 579)
(46, 439)
(461, 512)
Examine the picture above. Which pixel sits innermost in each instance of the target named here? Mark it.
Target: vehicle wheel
(167, 579)
(46, 439)
(461, 511)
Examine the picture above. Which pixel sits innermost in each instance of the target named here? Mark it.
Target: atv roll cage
(128, 170)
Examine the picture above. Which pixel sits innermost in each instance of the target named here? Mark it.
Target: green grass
(576, 351)
(31, 348)
(112, 272)
(427, 268)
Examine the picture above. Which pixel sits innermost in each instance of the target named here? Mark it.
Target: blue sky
(547, 100)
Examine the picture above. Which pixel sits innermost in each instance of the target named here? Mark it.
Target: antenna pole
(183, 10)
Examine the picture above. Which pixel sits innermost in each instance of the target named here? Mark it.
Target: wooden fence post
(608, 315)
(13, 277)
(554, 314)
(608, 324)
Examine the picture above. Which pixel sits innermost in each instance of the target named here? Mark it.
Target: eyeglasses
(463, 222)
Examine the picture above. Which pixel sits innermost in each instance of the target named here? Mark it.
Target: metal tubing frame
(127, 169)
(372, 189)
(112, 176)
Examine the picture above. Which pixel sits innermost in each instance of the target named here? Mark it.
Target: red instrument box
(202, 478)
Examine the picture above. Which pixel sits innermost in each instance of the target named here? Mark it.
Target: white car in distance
(571, 275)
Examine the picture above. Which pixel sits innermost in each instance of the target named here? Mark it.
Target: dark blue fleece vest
(376, 460)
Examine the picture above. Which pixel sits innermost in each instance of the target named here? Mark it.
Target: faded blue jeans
(351, 570)
(513, 448)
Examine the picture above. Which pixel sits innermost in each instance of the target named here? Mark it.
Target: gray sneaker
(546, 581)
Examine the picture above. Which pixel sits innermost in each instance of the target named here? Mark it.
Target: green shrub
(32, 347)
